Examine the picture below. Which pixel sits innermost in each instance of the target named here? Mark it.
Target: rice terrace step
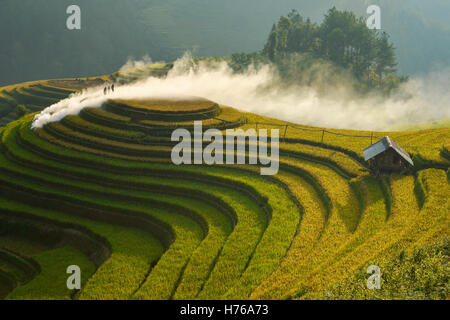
(307, 170)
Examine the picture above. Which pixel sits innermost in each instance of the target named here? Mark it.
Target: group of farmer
(108, 88)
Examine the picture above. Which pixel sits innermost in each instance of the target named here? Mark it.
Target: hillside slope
(99, 190)
(37, 95)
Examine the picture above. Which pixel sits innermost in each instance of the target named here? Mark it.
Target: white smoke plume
(257, 91)
(133, 64)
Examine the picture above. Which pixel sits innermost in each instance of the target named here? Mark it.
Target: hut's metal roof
(383, 145)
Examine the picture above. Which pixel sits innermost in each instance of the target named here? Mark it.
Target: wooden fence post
(323, 133)
(371, 138)
(285, 130)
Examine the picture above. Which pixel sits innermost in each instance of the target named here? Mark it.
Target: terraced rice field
(98, 190)
(37, 95)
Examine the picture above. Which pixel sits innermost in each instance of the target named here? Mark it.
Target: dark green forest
(37, 45)
(342, 42)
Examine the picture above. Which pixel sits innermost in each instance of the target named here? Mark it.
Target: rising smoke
(257, 91)
(133, 64)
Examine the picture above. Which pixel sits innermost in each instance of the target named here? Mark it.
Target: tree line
(342, 40)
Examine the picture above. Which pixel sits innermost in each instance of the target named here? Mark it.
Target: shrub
(21, 110)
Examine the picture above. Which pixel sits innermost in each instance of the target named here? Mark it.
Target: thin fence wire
(286, 126)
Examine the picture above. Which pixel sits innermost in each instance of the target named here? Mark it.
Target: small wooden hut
(385, 156)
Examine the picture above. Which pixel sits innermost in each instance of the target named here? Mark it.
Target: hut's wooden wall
(388, 161)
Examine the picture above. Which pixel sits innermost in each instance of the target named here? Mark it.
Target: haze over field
(258, 91)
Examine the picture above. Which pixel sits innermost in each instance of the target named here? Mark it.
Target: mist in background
(261, 91)
(36, 44)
